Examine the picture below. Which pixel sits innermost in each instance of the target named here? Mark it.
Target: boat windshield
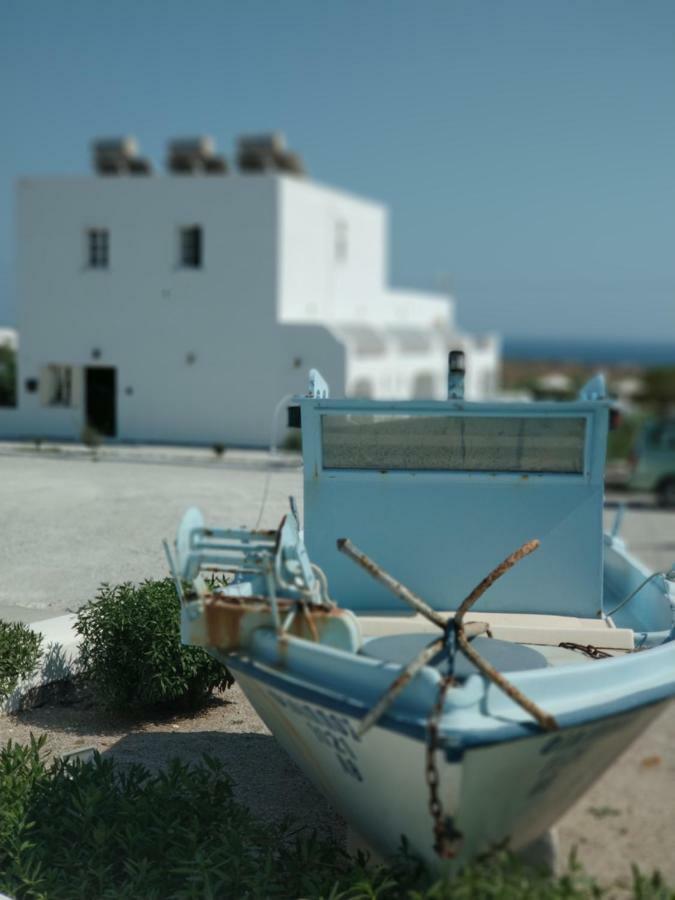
(467, 443)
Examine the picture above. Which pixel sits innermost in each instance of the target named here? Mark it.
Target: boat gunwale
(464, 735)
(452, 740)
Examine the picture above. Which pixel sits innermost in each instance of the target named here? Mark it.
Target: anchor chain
(446, 836)
(588, 649)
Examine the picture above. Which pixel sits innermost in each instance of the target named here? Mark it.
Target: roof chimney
(194, 155)
(118, 156)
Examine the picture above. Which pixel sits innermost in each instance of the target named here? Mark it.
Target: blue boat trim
(456, 740)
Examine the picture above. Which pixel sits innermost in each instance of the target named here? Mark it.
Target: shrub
(620, 441)
(292, 440)
(91, 438)
(92, 830)
(131, 651)
(659, 389)
(20, 652)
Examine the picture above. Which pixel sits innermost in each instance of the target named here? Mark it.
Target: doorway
(101, 400)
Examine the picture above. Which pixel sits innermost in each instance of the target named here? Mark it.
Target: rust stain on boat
(223, 617)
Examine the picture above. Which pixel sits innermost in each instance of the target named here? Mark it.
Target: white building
(9, 338)
(182, 307)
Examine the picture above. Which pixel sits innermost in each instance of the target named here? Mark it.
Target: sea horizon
(589, 351)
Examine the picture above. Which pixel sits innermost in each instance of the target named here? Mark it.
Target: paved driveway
(70, 523)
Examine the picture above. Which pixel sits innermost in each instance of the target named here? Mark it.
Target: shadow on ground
(72, 709)
(265, 779)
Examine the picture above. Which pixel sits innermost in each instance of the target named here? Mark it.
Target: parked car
(653, 461)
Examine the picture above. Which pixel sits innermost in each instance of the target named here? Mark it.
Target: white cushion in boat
(505, 656)
(521, 628)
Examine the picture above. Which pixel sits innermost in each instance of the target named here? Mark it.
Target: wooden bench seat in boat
(520, 628)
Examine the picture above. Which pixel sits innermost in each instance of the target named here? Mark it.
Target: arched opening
(362, 387)
(423, 386)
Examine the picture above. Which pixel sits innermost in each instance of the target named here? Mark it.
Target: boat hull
(505, 794)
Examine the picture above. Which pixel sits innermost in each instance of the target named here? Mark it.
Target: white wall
(351, 293)
(272, 299)
(146, 315)
(483, 355)
(427, 310)
(314, 282)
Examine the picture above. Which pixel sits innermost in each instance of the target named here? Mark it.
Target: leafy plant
(292, 440)
(131, 651)
(620, 441)
(659, 389)
(91, 438)
(20, 652)
(71, 830)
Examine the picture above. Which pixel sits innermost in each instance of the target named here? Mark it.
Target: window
(57, 386)
(423, 385)
(98, 248)
(454, 443)
(341, 240)
(191, 247)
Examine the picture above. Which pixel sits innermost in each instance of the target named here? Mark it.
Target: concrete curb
(59, 662)
(164, 454)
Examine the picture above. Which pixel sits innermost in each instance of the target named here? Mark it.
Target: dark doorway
(101, 400)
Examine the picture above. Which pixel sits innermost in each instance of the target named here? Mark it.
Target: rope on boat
(626, 600)
(544, 719)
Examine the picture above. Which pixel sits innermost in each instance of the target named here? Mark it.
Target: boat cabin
(439, 492)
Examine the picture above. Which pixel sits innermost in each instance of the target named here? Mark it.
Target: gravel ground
(71, 523)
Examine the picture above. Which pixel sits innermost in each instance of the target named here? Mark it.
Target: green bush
(71, 830)
(620, 441)
(20, 652)
(131, 652)
(659, 389)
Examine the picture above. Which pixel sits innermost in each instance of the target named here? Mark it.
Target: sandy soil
(626, 817)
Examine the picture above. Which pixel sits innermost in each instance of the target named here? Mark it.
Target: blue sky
(526, 149)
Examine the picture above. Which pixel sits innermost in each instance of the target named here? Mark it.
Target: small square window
(98, 248)
(341, 241)
(57, 386)
(191, 247)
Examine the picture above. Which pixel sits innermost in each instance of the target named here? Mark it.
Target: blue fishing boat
(450, 648)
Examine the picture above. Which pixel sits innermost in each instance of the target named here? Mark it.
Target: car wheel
(666, 493)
